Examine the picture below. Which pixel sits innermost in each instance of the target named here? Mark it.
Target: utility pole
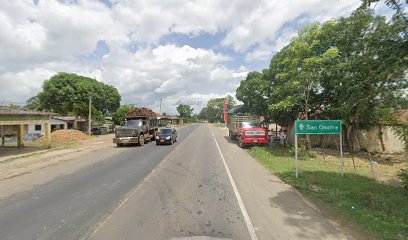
(89, 116)
(161, 100)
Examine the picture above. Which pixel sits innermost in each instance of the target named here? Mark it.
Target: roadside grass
(377, 208)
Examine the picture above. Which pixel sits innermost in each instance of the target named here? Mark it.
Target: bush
(403, 176)
(302, 153)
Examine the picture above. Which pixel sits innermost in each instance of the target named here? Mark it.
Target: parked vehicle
(141, 127)
(166, 136)
(247, 130)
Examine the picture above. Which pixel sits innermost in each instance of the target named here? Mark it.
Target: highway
(202, 187)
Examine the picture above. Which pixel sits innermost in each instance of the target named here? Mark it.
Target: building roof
(13, 111)
(65, 118)
(167, 117)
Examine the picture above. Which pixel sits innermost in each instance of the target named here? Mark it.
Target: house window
(37, 127)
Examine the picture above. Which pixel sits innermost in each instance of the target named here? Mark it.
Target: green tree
(118, 117)
(66, 93)
(303, 62)
(396, 5)
(352, 68)
(255, 92)
(369, 76)
(185, 111)
(214, 111)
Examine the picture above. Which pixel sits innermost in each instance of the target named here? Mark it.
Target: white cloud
(35, 34)
(264, 22)
(18, 85)
(169, 72)
(39, 40)
(266, 50)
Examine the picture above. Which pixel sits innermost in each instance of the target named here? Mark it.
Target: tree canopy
(66, 93)
(185, 111)
(352, 68)
(214, 111)
(119, 116)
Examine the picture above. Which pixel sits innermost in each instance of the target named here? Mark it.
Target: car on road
(166, 136)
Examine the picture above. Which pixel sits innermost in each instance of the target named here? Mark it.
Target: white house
(56, 124)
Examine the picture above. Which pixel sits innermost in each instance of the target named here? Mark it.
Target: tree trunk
(351, 142)
(381, 136)
(323, 148)
(308, 144)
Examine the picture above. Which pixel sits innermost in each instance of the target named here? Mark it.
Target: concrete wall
(8, 129)
(31, 128)
(369, 140)
(55, 124)
(11, 129)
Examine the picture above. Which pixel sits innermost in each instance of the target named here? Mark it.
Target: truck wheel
(231, 135)
(240, 144)
(141, 140)
(119, 144)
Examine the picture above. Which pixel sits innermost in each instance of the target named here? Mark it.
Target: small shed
(16, 121)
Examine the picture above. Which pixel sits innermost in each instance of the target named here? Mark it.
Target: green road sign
(318, 127)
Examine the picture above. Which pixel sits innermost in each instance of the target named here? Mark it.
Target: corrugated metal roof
(167, 117)
(65, 118)
(12, 111)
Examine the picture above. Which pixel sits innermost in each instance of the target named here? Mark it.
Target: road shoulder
(23, 173)
(276, 209)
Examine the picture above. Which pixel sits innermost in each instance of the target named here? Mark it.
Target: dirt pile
(61, 136)
(142, 111)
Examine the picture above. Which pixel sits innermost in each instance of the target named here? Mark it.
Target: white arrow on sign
(301, 126)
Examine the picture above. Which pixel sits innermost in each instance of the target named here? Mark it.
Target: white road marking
(126, 199)
(237, 195)
(133, 192)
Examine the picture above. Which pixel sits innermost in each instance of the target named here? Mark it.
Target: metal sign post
(296, 155)
(341, 154)
(318, 127)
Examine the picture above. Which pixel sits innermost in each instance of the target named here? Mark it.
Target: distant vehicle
(247, 130)
(141, 127)
(166, 136)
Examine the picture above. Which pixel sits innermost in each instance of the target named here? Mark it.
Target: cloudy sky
(185, 52)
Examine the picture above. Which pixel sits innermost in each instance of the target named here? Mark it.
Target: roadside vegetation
(213, 112)
(372, 200)
(186, 113)
(68, 94)
(352, 69)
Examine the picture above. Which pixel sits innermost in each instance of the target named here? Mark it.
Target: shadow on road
(229, 140)
(353, 198)
(301, 218)
(11, 151)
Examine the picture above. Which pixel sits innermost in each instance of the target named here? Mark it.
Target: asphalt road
(70, 207)
(163, 192)
(189, 195)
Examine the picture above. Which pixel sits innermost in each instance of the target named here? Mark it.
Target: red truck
(247, 130)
